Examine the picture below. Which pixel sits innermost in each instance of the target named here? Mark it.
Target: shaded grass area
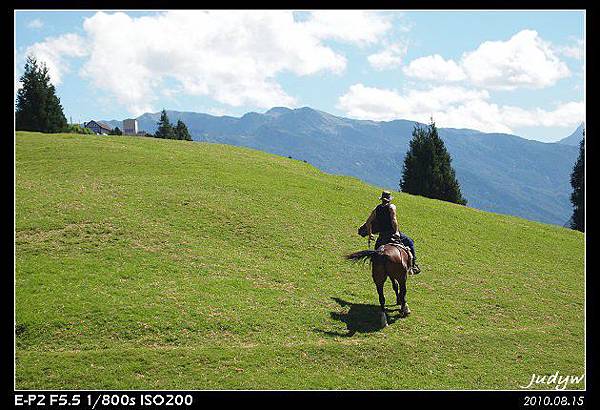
(145, 263)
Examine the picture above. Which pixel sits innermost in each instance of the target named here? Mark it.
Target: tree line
(38, 108)
(166, 130)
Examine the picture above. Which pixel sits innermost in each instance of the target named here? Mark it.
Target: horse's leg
(404, 309)
(379, 277)
(394, 271)
(395, 286)
(382, 303)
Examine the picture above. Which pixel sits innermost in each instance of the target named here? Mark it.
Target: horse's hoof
(384, 322)
(405, 311)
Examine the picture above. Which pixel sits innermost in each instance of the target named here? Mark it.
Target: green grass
(154, 264)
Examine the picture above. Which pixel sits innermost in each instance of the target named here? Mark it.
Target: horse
(388, 261)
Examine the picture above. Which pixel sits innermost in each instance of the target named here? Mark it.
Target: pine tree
(116, 131)
(165, 129)
(578, 194)
(181, 131)
(37, 107)
(427, 169)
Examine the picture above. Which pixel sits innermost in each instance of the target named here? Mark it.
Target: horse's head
(362, 231)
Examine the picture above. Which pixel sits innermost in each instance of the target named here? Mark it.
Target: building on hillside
(130, 126)
(98, 127)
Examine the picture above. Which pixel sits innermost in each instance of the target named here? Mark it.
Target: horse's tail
(362, 256)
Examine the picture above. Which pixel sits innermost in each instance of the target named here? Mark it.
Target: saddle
(401, 247)
(393, 240)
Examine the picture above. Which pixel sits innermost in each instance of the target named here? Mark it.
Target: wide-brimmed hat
(387, 195)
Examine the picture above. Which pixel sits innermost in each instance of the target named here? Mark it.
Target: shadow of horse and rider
(361, 318)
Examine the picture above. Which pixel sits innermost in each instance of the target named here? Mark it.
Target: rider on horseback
(385, 217)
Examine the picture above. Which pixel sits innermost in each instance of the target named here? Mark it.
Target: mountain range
(574, 138)
(500, 173)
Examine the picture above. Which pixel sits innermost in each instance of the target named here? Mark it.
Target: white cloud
(53, 52)
(232, 57)
(351, 26)
(525, 60)
(219, 112)
(17, 73)
(369, 103)
(435, 68)
(454, 107)
(35, 24)
(565, 114)
(575, 50)
(390, 57)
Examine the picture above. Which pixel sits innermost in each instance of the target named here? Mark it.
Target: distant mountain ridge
(574, 138)
(497, 172)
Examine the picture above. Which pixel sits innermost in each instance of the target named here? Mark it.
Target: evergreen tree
(165, 129)
(578, 194)
(181, 131)
(38, 108)
(116, 131)
(427, 169)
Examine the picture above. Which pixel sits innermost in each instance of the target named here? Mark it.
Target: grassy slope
(144, 263)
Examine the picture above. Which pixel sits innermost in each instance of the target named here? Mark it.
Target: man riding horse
(384, 217)
(388, 260)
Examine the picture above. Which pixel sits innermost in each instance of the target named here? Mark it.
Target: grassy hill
(156, 264)
(498, 172)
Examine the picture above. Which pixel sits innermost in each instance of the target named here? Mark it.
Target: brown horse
(388, 260)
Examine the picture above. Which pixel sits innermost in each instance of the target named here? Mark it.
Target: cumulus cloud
(390, 57)
(54, 52)
(523, 61)
(231, 57)
(435, 68)
(454, 107)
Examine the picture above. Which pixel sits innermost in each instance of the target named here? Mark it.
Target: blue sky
(496, 71)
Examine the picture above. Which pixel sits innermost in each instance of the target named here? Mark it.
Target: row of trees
(38, 108)
(166, 130)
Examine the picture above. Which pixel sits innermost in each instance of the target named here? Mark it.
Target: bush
(78, 129)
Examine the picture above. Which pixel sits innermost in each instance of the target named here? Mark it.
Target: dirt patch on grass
(86, 236)
(260, 282)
